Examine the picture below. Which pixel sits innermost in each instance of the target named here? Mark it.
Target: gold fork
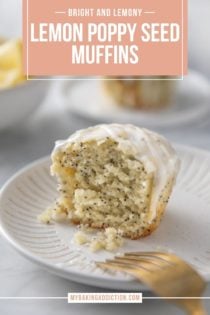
(166, 274)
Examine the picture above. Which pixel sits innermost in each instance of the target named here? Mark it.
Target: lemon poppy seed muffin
(117, 176)
(140, 94)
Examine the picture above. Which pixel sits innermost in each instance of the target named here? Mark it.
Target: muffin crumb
(80, 238)
(110, 239)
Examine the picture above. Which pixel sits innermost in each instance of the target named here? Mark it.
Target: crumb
(45, 217)
(80, 238)
(110, 239)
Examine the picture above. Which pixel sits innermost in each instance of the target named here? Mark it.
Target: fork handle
(197, 312)
(195, 307)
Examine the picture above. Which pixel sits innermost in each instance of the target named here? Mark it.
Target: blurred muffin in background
(11, 64)
(140, 94)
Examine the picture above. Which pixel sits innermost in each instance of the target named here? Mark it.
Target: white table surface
(34, 139)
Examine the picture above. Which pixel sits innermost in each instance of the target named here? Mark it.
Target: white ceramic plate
(191, 103)
(184, 229)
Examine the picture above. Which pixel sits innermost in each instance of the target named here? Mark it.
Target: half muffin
(114, 175)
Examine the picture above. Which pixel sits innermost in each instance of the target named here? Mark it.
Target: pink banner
(130, 37)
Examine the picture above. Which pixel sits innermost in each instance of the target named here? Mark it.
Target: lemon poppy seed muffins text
(113, 175)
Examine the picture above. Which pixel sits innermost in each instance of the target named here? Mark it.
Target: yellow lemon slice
(11, 55)
(11, 67)
(10, 78)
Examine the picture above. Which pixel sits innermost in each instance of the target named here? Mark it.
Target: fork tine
(158, 256)
(148, 254)
(145, 261)
(121, 263)
(169, 257)
(114, 266)
(130, 264)
(141, 273)
(143, 253)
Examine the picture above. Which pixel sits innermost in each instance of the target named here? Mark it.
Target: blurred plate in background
(19, 102)
(191, 102)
